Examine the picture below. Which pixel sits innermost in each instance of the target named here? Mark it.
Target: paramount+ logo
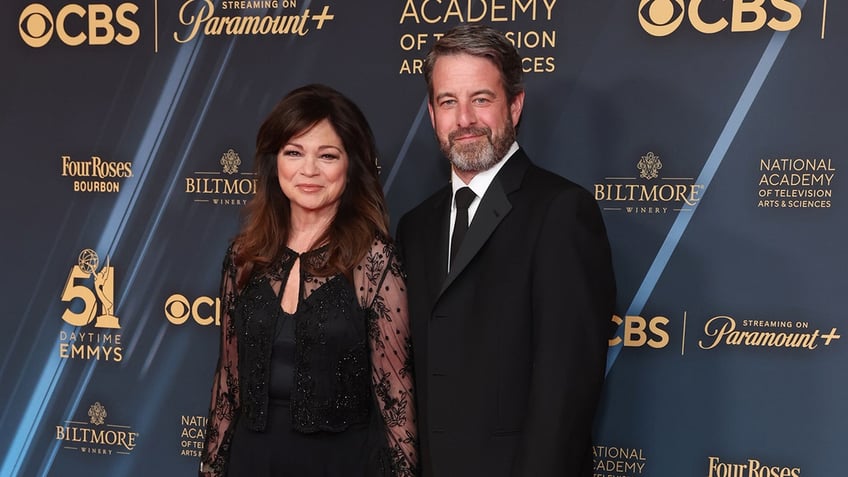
(664, 17)
(75, 24)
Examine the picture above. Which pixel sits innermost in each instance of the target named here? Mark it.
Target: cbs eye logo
(73, 24)
(663, 17)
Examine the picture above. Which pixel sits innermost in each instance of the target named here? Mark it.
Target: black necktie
(463, 199)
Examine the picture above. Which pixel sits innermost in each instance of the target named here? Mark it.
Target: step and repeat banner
(711, 132)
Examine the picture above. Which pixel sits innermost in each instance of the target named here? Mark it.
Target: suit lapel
(438, 249)
(494, 206)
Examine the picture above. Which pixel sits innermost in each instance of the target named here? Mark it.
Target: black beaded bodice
(332, 373)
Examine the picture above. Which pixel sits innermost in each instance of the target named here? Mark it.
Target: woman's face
(312, 170)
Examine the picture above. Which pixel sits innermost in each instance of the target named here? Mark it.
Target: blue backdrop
(710, 132)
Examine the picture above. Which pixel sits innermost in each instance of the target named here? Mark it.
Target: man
(510, 334)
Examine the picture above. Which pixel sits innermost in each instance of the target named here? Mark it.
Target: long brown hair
(361, 215)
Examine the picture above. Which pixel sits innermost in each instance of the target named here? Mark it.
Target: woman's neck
(306, 228)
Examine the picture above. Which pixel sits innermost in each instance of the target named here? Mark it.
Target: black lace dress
(326, 391)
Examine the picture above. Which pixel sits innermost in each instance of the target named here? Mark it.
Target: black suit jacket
(510, 347)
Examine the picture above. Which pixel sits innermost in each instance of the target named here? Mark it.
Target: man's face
(473, 121)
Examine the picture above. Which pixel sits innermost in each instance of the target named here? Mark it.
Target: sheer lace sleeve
(225, 394)
(382, 291)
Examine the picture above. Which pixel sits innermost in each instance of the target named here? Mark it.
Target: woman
(314, 374)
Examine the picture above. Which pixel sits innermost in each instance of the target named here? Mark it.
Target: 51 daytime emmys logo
(664, 17)
(75, 24)
(99, 289)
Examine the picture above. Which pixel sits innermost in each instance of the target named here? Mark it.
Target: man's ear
(515, 107)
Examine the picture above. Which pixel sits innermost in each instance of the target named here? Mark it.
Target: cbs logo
(663, 17)
(76, 24)
(203, 310)
(640, 332)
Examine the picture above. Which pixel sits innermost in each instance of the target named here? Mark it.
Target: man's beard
(478, 156)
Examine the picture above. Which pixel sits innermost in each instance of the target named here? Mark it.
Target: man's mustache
(472, 131)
